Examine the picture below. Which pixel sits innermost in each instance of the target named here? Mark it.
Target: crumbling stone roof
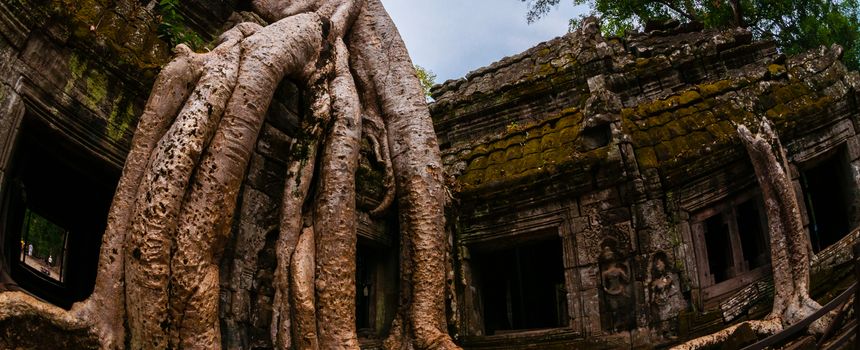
(673, 95)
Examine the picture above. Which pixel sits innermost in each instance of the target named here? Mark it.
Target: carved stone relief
(665, 299)
(615, 287)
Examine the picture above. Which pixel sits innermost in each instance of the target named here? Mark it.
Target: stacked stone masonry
(626, 150)
(589, 175)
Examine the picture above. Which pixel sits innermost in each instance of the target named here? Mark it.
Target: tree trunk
(789, 243)
(417, 168)
(738, 13)
(158, 277)
(334, 213)
(106, 305)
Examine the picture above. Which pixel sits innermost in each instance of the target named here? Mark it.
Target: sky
(453, 37)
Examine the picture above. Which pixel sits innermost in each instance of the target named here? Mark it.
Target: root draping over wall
(158, 277)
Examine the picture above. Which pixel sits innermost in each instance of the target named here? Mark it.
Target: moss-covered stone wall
(628, 144)
(85, 66)
(93, 58)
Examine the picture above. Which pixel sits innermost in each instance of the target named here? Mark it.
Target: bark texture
(789, 243)
(788, 240)
(417, 168)
(106, 306)
(158, 278)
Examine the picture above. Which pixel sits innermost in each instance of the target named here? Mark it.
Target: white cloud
(452, 38)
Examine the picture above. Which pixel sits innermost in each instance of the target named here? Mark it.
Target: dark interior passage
(719, 248)
(825, 188)
(365, 263)
(376, 288)
(752, 234)
(57, 199)
(522, 287)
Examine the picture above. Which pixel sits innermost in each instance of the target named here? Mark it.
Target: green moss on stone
(662, 152)
(659, 120)
(472, 178)
(699, 139)
(478, 163)
(532, 146)
(94, 80)
(550, 140)
(776, 70)
(97, 88)
(716, 88)
(120, 120)
(642, 138)
(493, 172)
(646, 157)
(675, 129)
(545, 70)
(568, 134)
(532, 161)
(513, 152)
(513, 166)
(496, 157)
(689, 97)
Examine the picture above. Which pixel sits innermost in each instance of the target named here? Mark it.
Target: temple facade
(600, 195)
(603, 197)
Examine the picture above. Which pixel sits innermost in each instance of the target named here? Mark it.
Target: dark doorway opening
(57, 198)
(719, 247)
(754, 242)
(522, 287)
(826, 191)
(365, 266)
(375, 287)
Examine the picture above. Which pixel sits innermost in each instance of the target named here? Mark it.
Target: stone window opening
(732, 245)
(827, 201)
(56, 199)
(751, 222)
(719, 248)
(521, 286)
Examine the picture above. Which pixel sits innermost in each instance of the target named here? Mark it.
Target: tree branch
(677, 10)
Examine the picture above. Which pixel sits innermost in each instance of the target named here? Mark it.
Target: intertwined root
(170, 219)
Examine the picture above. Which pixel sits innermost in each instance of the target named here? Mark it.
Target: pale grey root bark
(210, 203)
(788, 240)
(158, 279)
(377, 135)
(417, 168)
(334, 213)
(149, 242)
(789, 243)
(106, 306)
(302, 293)
(296, 187)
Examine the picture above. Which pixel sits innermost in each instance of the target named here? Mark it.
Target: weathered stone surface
(619, 148)
(641, 132)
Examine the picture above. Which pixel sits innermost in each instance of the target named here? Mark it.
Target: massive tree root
(158, 277)
(789, 244)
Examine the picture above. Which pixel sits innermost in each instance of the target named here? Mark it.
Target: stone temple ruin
(601, 196)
